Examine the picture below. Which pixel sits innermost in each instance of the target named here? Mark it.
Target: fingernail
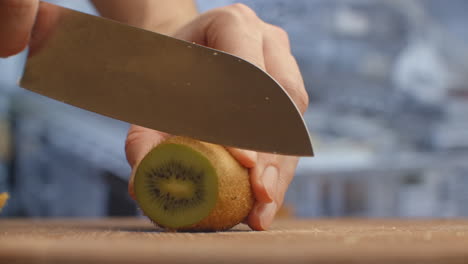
(267, 214)
(270, 181)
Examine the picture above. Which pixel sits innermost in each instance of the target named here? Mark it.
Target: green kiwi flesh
(176, 186)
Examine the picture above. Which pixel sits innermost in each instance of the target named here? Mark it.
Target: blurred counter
(289, 241)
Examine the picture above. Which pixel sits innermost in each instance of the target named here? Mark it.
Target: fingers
(278, 172)
(261, 217)
(283, 66)
(139, 142)
(246, 158)
(264, 181)
(274, 173)
(288, 165)
(16, 22)
(235, 29)
(263, 178)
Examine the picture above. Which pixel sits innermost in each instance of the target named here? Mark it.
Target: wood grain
(290, 241)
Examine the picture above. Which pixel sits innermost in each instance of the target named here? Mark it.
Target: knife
(162, 83)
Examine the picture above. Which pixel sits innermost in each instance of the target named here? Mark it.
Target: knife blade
(162, 83)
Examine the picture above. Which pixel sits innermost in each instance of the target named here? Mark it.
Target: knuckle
(239, 13)
(291, 84)
(279, 33)
(243, 10)
(302, 101)
(295, 89)
(283, 187)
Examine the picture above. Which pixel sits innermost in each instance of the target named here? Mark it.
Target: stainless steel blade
(162, 83)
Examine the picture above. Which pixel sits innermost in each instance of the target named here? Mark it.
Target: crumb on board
(3, 199)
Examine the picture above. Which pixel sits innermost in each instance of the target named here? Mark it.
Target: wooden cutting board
(290, 241)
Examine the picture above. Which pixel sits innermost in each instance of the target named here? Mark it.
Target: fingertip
(253, 220)
(262, 216)
(267, 214)
(247, 158)
(251, 158)
(140, 141)
(13, 48)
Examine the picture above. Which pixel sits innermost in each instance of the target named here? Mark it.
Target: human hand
(16, 23)
(236, 29)
(23, 23)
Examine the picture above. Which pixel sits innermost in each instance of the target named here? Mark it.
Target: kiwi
(188, 185)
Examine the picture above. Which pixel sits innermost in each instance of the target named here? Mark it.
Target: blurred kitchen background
(388, 117)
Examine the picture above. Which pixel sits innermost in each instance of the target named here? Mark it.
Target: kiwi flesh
(185, 184)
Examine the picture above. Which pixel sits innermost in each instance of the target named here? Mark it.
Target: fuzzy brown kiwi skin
(235, 198)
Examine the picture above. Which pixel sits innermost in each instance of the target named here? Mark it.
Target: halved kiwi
(185, 184)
